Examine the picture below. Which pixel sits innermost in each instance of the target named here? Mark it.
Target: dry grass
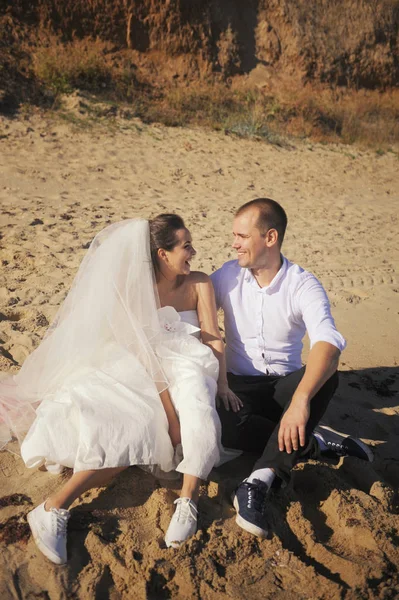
(78, 64)
(365, 118)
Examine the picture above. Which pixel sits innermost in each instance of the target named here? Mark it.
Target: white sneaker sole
(363, 446)
(174, 545)
(31, 518)
(246, 525)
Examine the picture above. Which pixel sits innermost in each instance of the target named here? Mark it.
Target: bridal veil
(113, 299)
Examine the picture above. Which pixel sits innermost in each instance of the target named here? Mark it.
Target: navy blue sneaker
(249, 502)
(342, 445)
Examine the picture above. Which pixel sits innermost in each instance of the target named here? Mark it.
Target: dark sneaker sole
(246, 525)
(366, 449)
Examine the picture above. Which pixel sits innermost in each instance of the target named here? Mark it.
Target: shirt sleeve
(216, 277)
(314, 307)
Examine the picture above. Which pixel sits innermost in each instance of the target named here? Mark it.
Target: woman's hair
(163, 234)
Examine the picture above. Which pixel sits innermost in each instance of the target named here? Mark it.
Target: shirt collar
(268, 289)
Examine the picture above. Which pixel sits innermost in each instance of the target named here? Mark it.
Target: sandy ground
(334, 530)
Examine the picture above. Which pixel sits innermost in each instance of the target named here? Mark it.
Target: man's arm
(313, 307)
(322, 364)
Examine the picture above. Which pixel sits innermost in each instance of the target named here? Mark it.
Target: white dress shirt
(264, 326)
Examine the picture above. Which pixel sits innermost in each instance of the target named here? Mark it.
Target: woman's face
(178, 260)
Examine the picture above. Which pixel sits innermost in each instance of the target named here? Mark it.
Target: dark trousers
(255, 427)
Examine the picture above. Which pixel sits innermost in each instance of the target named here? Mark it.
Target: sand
(334, 529)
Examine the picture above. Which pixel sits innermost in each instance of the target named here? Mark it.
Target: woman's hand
(173, 421)
(174, 432)
(228, 398)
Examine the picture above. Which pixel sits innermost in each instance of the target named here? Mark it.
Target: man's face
(252, 251)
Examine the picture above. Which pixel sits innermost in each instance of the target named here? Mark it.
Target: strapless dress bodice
(191, 317)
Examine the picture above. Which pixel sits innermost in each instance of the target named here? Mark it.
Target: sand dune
(335, 528)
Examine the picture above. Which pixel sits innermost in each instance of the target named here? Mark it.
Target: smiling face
(252, 247)
(178, 259)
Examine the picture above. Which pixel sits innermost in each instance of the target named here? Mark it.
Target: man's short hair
(271, 216)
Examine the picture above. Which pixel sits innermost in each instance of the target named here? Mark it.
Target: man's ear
(271, 238)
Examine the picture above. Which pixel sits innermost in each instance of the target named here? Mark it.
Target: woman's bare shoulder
(196, 277)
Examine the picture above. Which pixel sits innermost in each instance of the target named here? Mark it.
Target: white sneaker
(183, 524)
(49, 530)
(54, 468)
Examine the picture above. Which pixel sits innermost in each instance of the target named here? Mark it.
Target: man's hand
(174, 433)
(292, 434)
(228, 398)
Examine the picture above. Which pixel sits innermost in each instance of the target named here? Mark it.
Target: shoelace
(61, 520)
(185, 509)
(256, 496)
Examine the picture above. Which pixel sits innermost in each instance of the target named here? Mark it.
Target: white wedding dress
(113, 416)
(88, 396)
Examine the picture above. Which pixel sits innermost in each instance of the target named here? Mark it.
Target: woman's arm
(210, 334)
(173, 421)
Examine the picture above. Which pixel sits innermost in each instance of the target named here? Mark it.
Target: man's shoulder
(226, 279)
(228, 268)
(298, 273)
(299, 278)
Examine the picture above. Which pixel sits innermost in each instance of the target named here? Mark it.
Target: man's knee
(331, 384)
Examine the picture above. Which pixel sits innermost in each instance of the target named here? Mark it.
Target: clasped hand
(228, 398)
(292, 433)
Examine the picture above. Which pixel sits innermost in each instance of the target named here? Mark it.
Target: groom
(269, 304)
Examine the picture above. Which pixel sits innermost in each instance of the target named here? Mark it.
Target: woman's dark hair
(163, 234)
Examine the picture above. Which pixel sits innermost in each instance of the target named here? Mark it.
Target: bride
(122, 378)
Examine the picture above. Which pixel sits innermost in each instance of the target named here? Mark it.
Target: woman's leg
(78, 484)
(49, 520)
(190, 488)
(193, 399)
(184, 521)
